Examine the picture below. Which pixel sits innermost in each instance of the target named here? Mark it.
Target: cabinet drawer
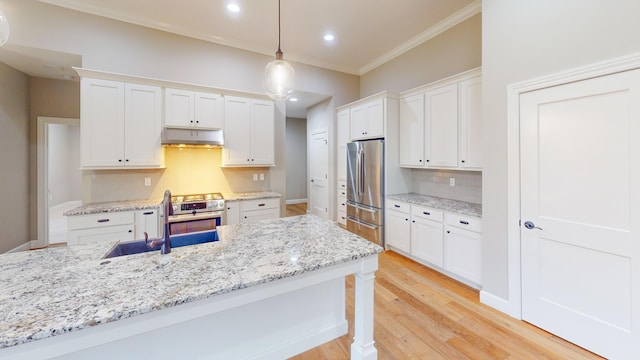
(342, 186)
(427, 213)
(259, 204)
(398, 206)
(342, 203)
(100, 220)
(464, 222)
(342, 217)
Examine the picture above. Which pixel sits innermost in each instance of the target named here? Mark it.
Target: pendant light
(279, 76)
(4, 29)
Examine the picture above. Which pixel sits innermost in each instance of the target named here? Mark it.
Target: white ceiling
(367, 33)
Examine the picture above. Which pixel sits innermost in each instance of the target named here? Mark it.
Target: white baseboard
(296, 201)
(498, 303)
(24, 247)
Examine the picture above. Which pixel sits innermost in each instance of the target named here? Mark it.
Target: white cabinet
(259, 209)
(192, 109)
(147, 221)
(367, 120)
(249, 132)
(398, 230)
(470, 115)
(86, 229)
(441, 124)
(426, 234)
(463, 247)
(121, 124)
(232, 213)
(341, 200)
(341, 163)
(412, 130)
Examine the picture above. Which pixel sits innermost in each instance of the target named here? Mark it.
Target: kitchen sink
(140, 246)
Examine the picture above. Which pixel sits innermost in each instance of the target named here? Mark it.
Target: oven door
(190, 223)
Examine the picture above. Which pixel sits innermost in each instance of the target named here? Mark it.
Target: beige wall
(454, 51)
(523, 40)
(54, 98)
(14, 158)
(296, 159)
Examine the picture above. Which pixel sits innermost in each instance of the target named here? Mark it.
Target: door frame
(43, 176)
(513, 305)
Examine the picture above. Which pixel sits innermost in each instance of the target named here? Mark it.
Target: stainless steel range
(196, 213)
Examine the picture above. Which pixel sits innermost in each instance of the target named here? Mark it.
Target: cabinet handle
(103, 220)
(197, 122)
(191, 121)
(127, 160)
(463, 161)
(406, 219)
(262, 204)
(448, 232)
(420, 160)
(130, 231)
(426, 213)
(119, 160)
(413, 221)
(464, 222)
(147, 213)
(427, 160)
(397, 206)
(252, 160)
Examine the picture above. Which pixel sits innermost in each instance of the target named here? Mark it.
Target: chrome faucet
(165, 240)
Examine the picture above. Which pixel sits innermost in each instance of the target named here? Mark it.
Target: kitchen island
(266, 290)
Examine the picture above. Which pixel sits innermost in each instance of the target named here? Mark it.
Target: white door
(319, 168)
(580, 200)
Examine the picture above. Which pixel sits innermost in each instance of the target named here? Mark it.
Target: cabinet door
(427, 240)
(374, 113)
(147, 221)
(398, 230)
(208, 110)
(233, 212)
(358, 122)
(343, 139)
(102, 234)
(237, 127)
(262, 133)
(259, 215)
(143, 125)
(412, 131)
(441, 126)
(470, 107)
(179, 106)
(102, 123)
(463, 253)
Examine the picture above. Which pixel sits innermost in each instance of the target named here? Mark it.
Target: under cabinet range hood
(174, 136)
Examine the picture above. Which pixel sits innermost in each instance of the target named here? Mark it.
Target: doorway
(319, 173)
(59, 177)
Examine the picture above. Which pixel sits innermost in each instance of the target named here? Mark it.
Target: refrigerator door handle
(362, 174)
(371, 210)
(372, 227)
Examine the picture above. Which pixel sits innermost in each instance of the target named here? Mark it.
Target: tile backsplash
(189, 170)
(468, 184)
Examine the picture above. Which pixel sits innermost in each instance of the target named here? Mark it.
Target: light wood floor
(422, 314)
(296, 209)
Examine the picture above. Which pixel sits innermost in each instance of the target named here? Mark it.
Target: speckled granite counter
(58, 290)
(459, 207)
(251, 195)
(105, 207)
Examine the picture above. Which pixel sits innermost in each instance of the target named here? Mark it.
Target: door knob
(529, 225)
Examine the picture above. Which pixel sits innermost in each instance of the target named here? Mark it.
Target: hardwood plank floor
(422, 314)
(296, 209)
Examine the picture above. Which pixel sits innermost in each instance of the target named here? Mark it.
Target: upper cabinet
(367, 120)
(121, 124)
(249, 132)
(441, 124)
(192, 109)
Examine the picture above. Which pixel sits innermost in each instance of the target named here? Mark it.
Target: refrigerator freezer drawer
(370, 232)
(368, 214)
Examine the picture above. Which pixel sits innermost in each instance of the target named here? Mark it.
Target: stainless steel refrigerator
(365, 189)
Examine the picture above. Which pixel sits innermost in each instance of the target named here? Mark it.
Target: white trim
(496, 302)
(24, 247)
(43, 176)
(296, 201)
(444, 25)
(624, 63)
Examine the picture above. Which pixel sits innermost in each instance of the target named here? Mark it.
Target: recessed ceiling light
(293, 99)
(329, 37)
(233, 7)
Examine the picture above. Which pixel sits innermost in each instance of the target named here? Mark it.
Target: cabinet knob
(448, 232)
(427, 160)
(130, 231)
(119, 160)
(463, 161)
(420, 160)
(406, 219)
(248, 160)
(191, 121)
(197, 122)
(127, 160)
(252, 160)
(413, 221)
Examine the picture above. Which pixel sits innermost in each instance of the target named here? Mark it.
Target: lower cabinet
(448, 242)
(147, 221)
(86, 229)
(248, 211)
(341, 200)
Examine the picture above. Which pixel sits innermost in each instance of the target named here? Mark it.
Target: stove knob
(210, 204)
(175, 208)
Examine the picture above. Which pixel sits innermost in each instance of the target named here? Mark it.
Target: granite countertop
(57, 290)
(114, 206)
(455, 206)
(251, 195)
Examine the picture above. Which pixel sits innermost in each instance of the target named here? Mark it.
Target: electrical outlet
(147, 181)
(261, 177)
(255, 177)
(452, 181)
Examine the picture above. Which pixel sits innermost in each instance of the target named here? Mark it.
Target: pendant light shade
(4, 29)
(279, 76)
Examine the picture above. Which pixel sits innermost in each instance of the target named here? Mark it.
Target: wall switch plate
(147, 181)
(261, 177)
(255, 177)
(452, 181)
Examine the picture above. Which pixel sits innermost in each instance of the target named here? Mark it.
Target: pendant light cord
(279, 51)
